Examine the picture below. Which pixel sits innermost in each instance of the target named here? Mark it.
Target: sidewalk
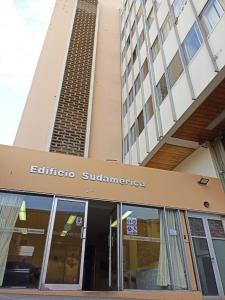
(36, 297)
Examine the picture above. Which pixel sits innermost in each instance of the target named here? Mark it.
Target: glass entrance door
(63, 267)
(208, 236)
(114, 249)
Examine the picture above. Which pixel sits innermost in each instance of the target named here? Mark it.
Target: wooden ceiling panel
(169, 156)
(194, 129)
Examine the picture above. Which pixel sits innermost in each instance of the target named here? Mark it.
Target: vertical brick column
(70, 124)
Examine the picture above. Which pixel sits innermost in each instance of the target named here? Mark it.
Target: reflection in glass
(205, 268)
(219, 247)
(23, 228)
(196, 226)
(216, 228)
(141, 249)
(66, 244)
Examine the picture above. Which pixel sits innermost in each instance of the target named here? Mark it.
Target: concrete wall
(105, 127)
(35, 127)
(162, 188)
(199, 162)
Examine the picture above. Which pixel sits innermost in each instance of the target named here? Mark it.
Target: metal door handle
(83, 233)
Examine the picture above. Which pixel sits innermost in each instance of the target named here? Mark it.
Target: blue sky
(23, 26)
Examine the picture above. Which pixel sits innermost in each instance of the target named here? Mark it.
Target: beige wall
(105, 128)
(199, 162)
(163, 188)
(35, 126)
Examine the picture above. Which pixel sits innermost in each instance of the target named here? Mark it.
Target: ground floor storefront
(73, 226)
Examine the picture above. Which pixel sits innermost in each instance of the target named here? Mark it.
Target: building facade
(172, 66)
(127, 99)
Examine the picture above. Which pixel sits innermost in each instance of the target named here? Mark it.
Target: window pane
(175, 69)
(155, 48)
(192, 42)
(132, 135)
(130, 97)
(211, 15)
(219, 246)
(140, 122)
(216, 228)
(144, 249)
(162, 89)
(134, 55)
(137, 84)
(24, 224)
(124, 108)
(177, 7)
(144, 69)
(141, 39)
(205, 268)
(149, 109)
(196, 226)
(150, 19)
(165, 29)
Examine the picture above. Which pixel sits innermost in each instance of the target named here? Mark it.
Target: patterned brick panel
(71, 118)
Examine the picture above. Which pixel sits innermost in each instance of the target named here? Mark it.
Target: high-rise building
(117, 186)
(173, 70)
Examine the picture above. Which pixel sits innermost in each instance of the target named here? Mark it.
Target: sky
(23, 26)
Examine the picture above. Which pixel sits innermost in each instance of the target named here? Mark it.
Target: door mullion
(213, 257)
(83, 247)
(48, 244)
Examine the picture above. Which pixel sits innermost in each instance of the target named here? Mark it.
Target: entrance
(64, 253)
(100, 262)
(208, 236)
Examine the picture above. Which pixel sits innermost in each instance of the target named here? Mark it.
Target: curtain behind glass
(177, 260)
(9, 209)
(163, 276)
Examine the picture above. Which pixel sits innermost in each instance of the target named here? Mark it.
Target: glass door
(63, 267)
(208, 236)
(113, 249)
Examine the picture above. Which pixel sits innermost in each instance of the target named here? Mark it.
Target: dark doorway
(100, 265)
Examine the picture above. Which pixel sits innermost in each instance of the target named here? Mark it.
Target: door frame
(42, 284)
(209, 239)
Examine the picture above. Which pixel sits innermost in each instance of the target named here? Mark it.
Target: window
(139, 13)
(129, 67)
(155, 48)
(124, 108)
(133, 29)
(211, 15)
(132, 135)
(175, 69)
(141, 124)
(150, 19)
(134, 55)
(165, 29)
(137, 84)
(162, 89)
(126, 145)
(123, 53)
(157, 4)
(128, 42)
(192, 42)
(130, 97)
(149, 109)
(123, 80)
(154, 245)
(122, 34)
(144, 69)
(177, 7)
(141, 39)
